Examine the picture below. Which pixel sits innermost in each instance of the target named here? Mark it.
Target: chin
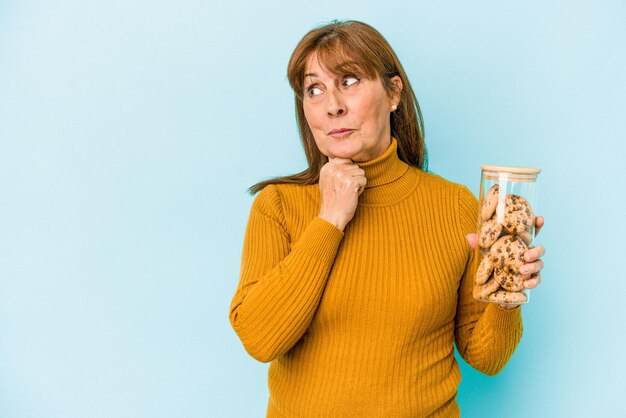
(344, 152)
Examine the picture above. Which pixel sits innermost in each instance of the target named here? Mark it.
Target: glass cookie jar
(506, 228)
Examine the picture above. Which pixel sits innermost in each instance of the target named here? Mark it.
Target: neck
(388, 177)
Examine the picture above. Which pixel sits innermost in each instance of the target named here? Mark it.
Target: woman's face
(348, 115)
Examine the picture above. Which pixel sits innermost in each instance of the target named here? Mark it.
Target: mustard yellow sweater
(362, 323)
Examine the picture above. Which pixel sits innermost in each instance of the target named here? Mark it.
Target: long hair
(355, 48)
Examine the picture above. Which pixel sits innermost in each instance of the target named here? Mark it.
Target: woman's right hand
(341, 184)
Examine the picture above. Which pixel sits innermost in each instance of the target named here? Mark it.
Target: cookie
(481, 292)
(518, 215)
(509, 279)
(490, 202)
(484, 270)
(502, 296)
(489, 232)
(507, 255)
(508, 251)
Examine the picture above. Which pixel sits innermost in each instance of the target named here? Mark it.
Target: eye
(313, 91)
(350, 80)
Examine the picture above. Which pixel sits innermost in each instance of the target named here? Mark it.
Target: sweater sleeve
(486, 334)
(281, 282)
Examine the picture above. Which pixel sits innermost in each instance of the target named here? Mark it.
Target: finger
(532, 282)
(472, 240)
(333, 160)
(534, 253)
(361, 182)
(531, 268)
(538, 224)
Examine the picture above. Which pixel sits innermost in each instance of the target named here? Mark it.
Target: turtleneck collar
(390, 171)
(385, 168)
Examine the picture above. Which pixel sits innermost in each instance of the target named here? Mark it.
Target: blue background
(129, 132)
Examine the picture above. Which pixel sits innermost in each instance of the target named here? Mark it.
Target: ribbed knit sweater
(362, 323)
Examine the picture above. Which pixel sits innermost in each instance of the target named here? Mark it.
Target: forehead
(334, 63)
(314, 67)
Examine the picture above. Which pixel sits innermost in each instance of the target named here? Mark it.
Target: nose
(335, 104)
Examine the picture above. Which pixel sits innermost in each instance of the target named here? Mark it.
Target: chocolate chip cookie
(518, 215)
(490, 202)
(482, 291)
(507, 255)
(485, 268)
(503, 296)
(489, 232)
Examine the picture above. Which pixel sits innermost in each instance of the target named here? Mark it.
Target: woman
(356, 276)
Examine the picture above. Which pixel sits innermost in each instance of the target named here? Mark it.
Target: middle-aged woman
(357, 274)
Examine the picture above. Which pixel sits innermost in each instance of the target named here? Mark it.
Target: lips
(341, 132)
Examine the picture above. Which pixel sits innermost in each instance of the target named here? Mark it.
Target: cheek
(370, 110)
(382, 112)
(312, 117)
(374, 122)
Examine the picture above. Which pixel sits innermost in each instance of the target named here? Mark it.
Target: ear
(397, 89)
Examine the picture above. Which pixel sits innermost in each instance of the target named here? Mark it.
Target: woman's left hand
(532, 257)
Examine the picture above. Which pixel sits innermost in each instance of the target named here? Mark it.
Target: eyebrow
(310, 75)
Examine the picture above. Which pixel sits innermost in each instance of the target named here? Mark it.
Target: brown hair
(353, 47)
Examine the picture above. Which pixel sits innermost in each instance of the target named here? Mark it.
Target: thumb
(472, 240)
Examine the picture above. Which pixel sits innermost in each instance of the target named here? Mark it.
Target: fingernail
(523, 269)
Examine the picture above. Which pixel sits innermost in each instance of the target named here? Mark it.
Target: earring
(393, 108)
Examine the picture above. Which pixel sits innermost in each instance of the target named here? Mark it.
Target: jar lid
(512, 170)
